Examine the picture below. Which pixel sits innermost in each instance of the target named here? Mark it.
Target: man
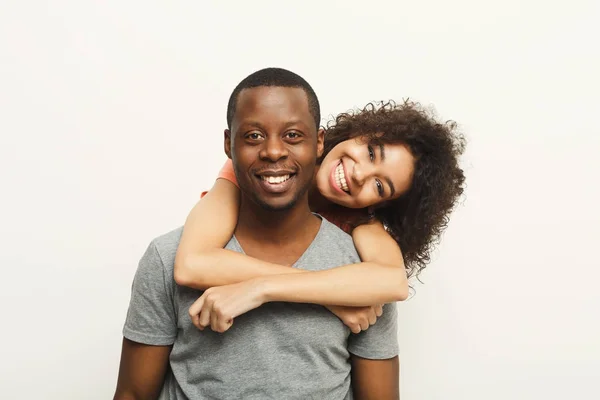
(278, 350)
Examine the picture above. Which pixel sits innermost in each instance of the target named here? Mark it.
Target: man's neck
(316, 200)
(275, 227)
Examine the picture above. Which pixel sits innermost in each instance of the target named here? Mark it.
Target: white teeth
(276, 179)
(340, 178)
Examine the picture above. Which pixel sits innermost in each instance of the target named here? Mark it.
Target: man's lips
(276, 182)
(278, 172)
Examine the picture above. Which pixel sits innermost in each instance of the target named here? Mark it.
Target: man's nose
(273, 149)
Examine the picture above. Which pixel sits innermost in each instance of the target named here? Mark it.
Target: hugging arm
(202, 262)
(380, 278)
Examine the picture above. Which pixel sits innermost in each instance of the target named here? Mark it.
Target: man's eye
(293, 135)
(254, 136)
(371, 153)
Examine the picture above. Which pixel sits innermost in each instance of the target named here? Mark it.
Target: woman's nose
(358, 175)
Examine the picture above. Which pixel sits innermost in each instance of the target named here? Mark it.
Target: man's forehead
(271, 101)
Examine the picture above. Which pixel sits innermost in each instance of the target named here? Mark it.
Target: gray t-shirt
(277, 351)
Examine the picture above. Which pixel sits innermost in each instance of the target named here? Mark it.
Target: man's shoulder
(166, 245)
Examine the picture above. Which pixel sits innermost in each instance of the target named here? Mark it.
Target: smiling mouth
(276, 183)
(275, 179)
(340, 178)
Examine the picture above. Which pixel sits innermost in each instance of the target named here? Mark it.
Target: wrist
(265, 289)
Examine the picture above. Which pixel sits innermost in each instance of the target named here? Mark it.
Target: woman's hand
(357, 318)
(218, 306)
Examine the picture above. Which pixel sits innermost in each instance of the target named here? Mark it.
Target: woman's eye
(379, 187)
(371, 153)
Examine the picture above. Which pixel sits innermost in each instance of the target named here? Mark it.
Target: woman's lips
(332, 180)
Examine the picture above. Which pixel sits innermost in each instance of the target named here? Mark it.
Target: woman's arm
(202, 264)
(380, 278)
(201, 261)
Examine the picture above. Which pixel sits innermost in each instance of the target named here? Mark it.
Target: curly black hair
(417, 219)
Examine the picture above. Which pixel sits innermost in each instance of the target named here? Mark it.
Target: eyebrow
(256, 124)
(382, 151)
(252, 123)
(392, 189)
(294, 122)
(387, 179)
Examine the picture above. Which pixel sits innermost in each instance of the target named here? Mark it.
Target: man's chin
(276, 204)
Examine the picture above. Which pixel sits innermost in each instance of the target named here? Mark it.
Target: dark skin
(142, 371)
(375, 379)
(272, 132)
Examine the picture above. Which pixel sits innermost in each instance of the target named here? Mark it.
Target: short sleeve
(151, 315)
(226, 173)
(380, 341)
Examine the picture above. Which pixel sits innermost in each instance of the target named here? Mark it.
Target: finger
(223, 319)
(194, 311)
(379, 310)
(214, 320)
(224, 324)
(205, 316)
(355, 328)
(372, 316)
(364, 324)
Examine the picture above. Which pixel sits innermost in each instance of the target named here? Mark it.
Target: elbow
(180, 272)
(401, 290)
(180, 277)
(183, 271)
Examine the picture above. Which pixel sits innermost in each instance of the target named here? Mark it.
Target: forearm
(356, 285)
(220, 267)
(380, 279)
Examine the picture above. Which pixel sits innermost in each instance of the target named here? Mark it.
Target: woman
(389, 176)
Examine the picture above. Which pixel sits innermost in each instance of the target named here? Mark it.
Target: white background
(111, 121)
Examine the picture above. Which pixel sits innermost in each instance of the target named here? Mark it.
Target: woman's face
(357, 175)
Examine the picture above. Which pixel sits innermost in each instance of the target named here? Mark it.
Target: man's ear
(227, 143)
(320, 142)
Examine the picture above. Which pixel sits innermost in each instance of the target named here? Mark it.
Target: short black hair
(275, 77)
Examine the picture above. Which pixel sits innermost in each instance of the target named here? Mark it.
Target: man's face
(274, 145)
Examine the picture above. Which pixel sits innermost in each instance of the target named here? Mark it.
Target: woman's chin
(341, 201)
